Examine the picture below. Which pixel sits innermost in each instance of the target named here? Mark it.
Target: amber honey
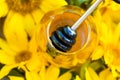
(67, 15)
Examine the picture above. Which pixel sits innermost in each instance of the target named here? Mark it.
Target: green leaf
(82, 70)
(81, 3)
(73, 75)
(16, 72)
(62, 71)
(1, 65)
(98, 65)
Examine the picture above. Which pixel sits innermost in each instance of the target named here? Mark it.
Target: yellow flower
(18, 51)
(108, 26)
(28, 12)
(50, 73)
(105, 74)
(28, 6)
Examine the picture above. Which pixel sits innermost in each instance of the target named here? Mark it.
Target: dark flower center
(23, 56)
(23, 6)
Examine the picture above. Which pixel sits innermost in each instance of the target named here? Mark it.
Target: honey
(68, 15)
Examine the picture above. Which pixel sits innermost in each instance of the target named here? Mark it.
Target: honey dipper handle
(85, 15)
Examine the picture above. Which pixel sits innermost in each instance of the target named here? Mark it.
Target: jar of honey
(67, 15)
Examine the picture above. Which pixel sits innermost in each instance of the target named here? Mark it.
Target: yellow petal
(33, 46)
(114, 72)
(42, 73)
(106, 34)
(3, 8)
(5, 47)
(52, 73)
(40, 37)
(114, 6)
(77, 78)
(9, 16)
(37, 59)
(111, 19)
(30, 75)
(109, 57)
(98, 53)
(15, 78)
(114, 15)
(21, 65)
(103, 74)
(1, 1)
(29, 24)
(15, 33)
(117, 34)
(106, 75)
(47, 5)
(91, 74)
(65, 76)
(6, 59)
(35, 62)
(37, 15)
(35, 75)
(27, 73)
(6, 69)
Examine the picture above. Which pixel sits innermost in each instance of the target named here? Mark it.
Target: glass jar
(67, 15)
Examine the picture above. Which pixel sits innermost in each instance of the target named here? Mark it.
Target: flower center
(23, 56)
(23, 6)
